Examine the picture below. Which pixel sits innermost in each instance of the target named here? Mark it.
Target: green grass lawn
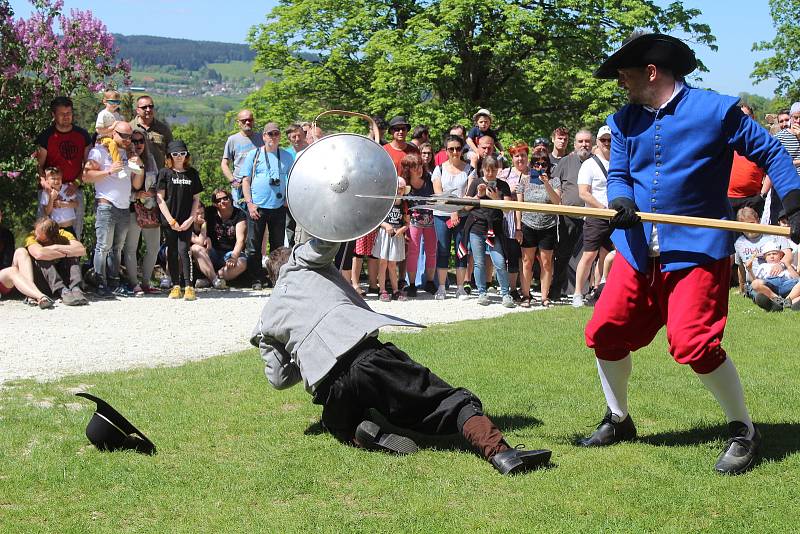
(236, 456)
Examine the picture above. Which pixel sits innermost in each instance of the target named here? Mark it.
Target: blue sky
(736, 24)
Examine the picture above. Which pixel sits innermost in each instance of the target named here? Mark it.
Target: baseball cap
(271, 127)
(604, 130)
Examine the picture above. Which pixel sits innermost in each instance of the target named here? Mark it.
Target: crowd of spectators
(148, 212)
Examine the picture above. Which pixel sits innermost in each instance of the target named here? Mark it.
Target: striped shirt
(790, 143)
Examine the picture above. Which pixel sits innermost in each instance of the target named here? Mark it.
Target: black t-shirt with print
(179, 188)
(6, 247)
(222, 233)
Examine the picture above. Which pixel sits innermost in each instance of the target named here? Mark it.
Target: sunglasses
(114, 101)
(137, 141)
(454, 149)
(148, 106)
(540, 162)
(221, 199)
(393, 130)
(605, 141)
(123, 136)
(246, 120)
(179, 154)
(274, 133)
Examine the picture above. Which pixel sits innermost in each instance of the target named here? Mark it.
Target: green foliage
(235, 455)
(145, 50)
(784, 65)
(439, 61)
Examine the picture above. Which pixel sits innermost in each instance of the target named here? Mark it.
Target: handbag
(146, 217)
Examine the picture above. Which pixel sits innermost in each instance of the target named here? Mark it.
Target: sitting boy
(316, 328)
(774, 282)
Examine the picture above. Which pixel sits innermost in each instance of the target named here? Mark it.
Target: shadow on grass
(779, 440)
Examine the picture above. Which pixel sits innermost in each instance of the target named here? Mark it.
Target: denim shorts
(781, 285)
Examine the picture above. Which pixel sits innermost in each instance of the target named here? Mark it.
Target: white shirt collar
(678, 87)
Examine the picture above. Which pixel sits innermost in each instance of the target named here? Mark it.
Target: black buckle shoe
(370, 436)
(739, 453)
(513, 461)
(608, 432)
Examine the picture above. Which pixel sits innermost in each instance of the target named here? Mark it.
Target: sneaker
(796, 306)
(202, 283)
(430, 287)
(491, 289)
(175, 293)
(189, 294)
(150, 290)
(468, 288)
(462, 293)
(440, 293)
(400, 295)
(46, 302)
(166, 282)
(67, 299)
(768, 304)
(577, 300)
(483, 299)
(370, 436)
(123, 290)
(219, 283)
(102, 292)
(256, 286)
(138, 291)
(411, 291)
(77, 294)
(385, 297)
(515, 295)
(508, 301)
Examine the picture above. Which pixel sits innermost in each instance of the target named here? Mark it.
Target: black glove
(794, 226)
(791, 203)
(626, 216)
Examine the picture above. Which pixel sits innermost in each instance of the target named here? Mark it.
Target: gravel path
(133, 332)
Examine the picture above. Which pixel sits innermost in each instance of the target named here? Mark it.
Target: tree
(46, 55)
(785, 63)
(438, 61)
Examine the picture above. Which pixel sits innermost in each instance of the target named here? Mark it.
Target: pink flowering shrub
(44, 56)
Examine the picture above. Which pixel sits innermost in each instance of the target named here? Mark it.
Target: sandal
(360, 291)
(525, 302)
(45, 302)
(546, 303)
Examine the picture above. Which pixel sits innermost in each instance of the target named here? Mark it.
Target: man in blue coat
(671, 152)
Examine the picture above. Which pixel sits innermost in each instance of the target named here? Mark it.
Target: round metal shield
(327, 176)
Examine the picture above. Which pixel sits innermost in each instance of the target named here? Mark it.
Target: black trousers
(53, 276)
(755, 202)
(513, 253)
(179, 259)
(568, 252)
(273, 220)
(382, 377)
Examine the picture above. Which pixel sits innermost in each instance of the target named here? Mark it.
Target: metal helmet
(327, 176)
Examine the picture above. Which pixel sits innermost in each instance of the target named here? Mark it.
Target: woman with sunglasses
(521, 168)
(143, 192)
(537, 230)
(450, 179)
(226, 228)
(426, 151)
(421, 231)
(178, 196)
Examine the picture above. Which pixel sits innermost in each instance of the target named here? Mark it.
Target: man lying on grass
(317, 328)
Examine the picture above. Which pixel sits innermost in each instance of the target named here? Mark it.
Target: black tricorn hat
(642, 49)
(108, 429)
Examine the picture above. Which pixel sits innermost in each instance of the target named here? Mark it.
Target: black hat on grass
(642, 49)
(108, 429)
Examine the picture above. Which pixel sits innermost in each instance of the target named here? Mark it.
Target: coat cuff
(791, 202)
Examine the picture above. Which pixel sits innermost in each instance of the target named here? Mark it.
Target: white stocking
(723, 382)
(614, 377)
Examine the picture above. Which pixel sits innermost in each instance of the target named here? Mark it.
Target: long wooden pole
(602, 213)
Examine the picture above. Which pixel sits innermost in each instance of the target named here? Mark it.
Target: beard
(583, 153)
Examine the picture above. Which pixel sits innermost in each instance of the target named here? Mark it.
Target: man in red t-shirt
(398, 148)
(65, 146)
(748, 185)
(441, 156)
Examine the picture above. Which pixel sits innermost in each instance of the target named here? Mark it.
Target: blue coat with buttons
(678, 161)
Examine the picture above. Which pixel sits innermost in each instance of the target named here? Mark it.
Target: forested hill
(146, 50)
